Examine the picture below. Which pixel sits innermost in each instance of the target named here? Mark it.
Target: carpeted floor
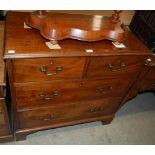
(134, 124)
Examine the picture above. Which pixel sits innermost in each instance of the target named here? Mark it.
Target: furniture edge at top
(32, 45)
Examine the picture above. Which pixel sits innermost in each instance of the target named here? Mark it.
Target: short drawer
(66, 113)
(4, 122)
(114, 66)
(30, 95)
(41, 69)
(34, 94)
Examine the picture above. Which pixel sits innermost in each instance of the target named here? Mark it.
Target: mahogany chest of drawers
(57, 87)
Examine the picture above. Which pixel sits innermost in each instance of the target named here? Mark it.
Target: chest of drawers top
(27, 43)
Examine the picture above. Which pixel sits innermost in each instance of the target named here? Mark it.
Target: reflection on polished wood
(58, 26)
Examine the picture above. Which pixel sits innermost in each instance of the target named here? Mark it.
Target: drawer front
(66, 113)
(30, 95)
(47, 68)
(114, 66)
(46, 93)
(94, 89)
(4, 126)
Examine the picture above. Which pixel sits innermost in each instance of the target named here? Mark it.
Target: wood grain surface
(27, 43)
(67, 113)
(29, 94)
(77, 26)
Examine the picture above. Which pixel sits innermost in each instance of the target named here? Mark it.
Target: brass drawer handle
(44, 70)
(113, 68)
(51, 97)
(104, 90)
(47, 118)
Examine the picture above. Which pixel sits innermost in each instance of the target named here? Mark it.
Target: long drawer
(41, 69)
(4, 122)
(114, 66)
(66, 113)
(29, 95)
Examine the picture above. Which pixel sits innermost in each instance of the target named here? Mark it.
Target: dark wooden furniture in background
(71, 85)
(147, 82)
(143, 26)
(5, 130)
(76, 26)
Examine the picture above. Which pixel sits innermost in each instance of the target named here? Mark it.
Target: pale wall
(126, 15)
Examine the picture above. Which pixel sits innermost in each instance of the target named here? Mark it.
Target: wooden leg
(7, 138)
(107, 121)
(20, 136)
